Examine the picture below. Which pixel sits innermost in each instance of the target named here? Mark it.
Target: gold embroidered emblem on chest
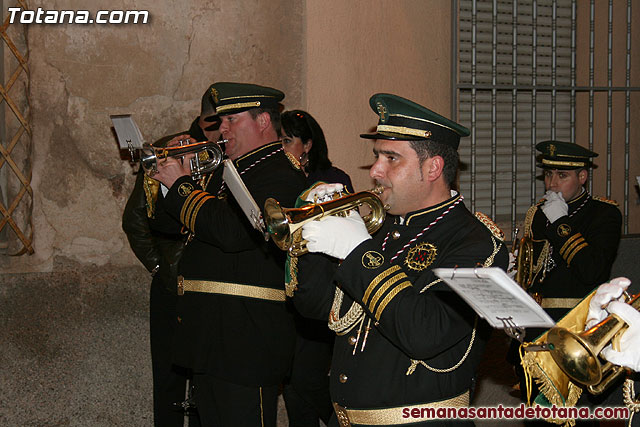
(421, 256)
(564, 230)
(372, 259)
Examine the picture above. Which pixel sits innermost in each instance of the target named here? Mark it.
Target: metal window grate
(16, 195)
(520, 82)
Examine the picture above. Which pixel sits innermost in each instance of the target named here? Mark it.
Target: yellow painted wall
(357, 48)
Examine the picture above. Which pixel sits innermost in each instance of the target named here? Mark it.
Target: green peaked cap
(231, 98)
(564, 155)
(404, 120)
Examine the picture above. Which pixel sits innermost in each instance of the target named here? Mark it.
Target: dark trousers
(169, 381)
(306, 393)
(224, 404)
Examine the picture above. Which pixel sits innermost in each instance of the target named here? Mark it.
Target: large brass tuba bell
(577, 354)
(208, 156)
(285, 224)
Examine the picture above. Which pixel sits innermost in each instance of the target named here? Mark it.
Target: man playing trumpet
(404, 338)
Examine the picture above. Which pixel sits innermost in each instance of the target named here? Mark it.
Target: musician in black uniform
(234, 330)
(404, 337)
(575, 240)
(575, 235)
(159, 253)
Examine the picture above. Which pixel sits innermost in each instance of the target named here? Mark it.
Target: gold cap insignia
(421, 256)
(382, 112)
(185, 189)
(214, 94)
(563, 230)
(552, 150)
(372, 259)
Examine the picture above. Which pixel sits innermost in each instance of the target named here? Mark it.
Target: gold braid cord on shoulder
(342, 325)
(414, 363)
(628, 391)
(554, 384)
(151, 187)
(291, 282)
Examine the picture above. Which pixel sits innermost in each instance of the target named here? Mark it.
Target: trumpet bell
(208, 156)
(578, 354)
(575, 355)
(285, 224)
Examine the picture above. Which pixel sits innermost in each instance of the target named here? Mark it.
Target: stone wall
(80, 74)
(74, 315)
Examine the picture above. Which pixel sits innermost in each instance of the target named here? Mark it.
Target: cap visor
(392, 136)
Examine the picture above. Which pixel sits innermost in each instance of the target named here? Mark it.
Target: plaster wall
(357, 48)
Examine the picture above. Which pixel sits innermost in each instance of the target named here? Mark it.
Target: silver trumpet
(208, 156)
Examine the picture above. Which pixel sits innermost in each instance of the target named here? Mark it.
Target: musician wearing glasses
(403, 337)
(234, 330)
(159, 253)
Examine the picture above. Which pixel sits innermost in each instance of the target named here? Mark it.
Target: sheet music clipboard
(496, 298)
(128, 133)
(248, 205)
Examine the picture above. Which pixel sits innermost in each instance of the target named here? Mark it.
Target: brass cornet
(524, 260)
(208, 156)
(285, 224)
(577, 354)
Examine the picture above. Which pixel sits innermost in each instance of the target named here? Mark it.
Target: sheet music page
(249, 206)
(494, 296)
(129, 135)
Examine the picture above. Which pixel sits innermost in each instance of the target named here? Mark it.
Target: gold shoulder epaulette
(602, 199)
(492, 226)
(294, 162)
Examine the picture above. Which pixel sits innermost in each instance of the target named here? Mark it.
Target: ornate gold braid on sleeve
(414, 363)
(342, 325)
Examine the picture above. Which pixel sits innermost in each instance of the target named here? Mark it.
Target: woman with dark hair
(306, 395)
(303, 138)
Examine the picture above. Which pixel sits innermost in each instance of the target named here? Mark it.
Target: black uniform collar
(429, 214)
(258, 154)
(578, 199)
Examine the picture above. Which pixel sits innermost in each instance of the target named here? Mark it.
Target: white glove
(606, 293)
(334, 235)
(554, 207)
(628, 356)
(323, 192)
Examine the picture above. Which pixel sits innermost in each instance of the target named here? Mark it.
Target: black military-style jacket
(243, 340)
(582, 247)
(152, 248)
(414, 318)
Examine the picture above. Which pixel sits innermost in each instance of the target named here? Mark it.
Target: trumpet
(524, 260)
(285, 224)
(577, 354)
(208, 156)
